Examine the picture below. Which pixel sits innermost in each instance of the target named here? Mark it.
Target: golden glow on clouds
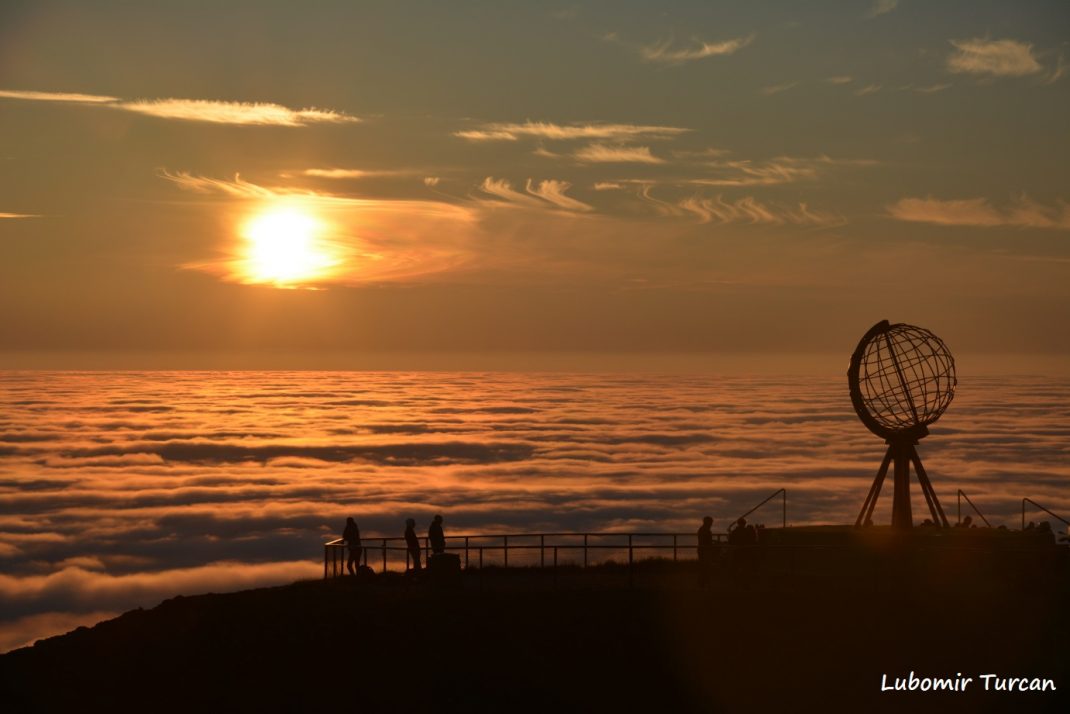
(285, 245)
(563, 132)
(665, 52)
(202, 110)
(999, 58)
(978, 212)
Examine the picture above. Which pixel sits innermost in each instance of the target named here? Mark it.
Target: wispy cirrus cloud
(565, 132)
(778, 88)
(554, 191)
(503, 189)
(868, 89)
(56, 96)
(616, 154)
(979, 213)
(780, 170)
(994, 58)
(882, 7)
(931, 88)
(338, 173)
(667, 51)
(536, 195)
(247, 113)
(19, 215)
(840, 79)
(199, 110)
(747, 210)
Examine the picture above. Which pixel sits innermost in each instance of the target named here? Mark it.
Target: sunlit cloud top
(549, 130)
(997, 58)
(202, 110)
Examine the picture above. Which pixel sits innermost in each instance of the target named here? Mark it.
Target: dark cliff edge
(755, 640)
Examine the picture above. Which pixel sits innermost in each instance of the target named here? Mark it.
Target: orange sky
(557, 186)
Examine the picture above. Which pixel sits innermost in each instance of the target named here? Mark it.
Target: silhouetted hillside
(525, 641)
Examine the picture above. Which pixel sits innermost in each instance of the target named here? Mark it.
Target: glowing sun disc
(285, 246)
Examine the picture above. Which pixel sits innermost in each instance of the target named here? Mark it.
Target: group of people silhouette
(739, 533)
(435, 536)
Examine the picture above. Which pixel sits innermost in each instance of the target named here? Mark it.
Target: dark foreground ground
(763, 640)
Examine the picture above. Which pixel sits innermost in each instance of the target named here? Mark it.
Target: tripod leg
(901, 516)
(874, 491)
(927, 488)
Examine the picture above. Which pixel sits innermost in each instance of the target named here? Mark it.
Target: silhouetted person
(739, 533)
(351, 535)
(706, 551)
(436, 536)
(413, 544)
(966, 522)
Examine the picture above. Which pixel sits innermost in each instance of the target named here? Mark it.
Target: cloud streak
(993, 58)
(780, 170)
(979, 213)
(565, 132)
(667, 52)
(616, 154)
(553, 191)
(747, 210)
(197, 110)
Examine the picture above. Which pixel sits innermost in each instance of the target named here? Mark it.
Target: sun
(287, 246)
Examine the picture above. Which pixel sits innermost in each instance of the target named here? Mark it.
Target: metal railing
(962, 495)
(1037, 505)
(335, 551)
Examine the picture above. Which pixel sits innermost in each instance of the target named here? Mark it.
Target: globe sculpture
(901, 378)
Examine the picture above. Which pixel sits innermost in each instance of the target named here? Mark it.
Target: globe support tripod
(901, 455)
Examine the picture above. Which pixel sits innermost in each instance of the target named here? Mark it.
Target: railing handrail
(579, 534)
(1053, 515)
(962, 495)
(784, 513)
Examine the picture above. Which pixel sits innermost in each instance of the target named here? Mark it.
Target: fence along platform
(551, 549)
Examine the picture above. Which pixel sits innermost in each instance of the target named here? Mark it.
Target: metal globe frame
(901, 379)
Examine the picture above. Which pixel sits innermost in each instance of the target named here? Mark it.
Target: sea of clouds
(118, 490)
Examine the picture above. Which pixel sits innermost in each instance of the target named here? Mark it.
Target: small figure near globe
(412, 544)
(436, 536)
(707, 552)
(351, 535)
(901, 379)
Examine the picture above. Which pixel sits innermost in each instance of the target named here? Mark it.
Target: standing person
(351, 535)
(413, 544)
(706, 551)
(436, 536)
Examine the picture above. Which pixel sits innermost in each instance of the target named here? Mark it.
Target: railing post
(466, 552)
(505, 549)
(584, 550)
(480, 561)
(384, 555)
(542, 550)
(785, 514)
(674, 547)
(326, 550)
(630, 561)
(1023, 513)
(555, 566)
